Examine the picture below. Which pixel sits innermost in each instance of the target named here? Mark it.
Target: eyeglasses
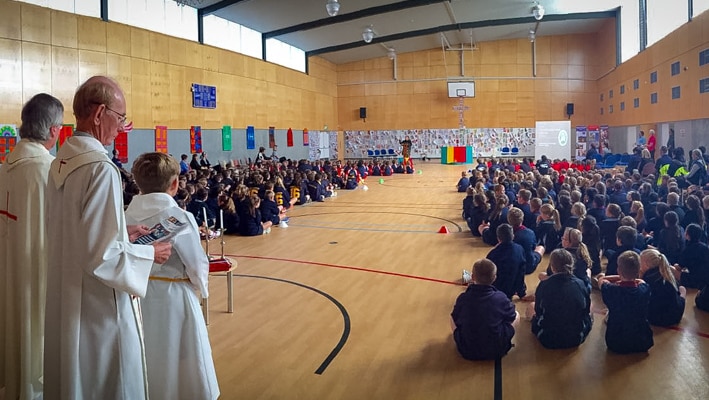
(121, 117)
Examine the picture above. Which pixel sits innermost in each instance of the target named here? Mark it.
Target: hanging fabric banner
(226, 138)
(306, 142)
(581, 145)
(603, 146)
(290, 137)
(64, 134)
(196, 139)
(271, 136)
(250, 138)
(161, 139)
(121, 144)
(8, 140)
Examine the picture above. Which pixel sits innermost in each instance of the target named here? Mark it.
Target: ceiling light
(391, 53)
(368, 34)
(332, 7)
(538, 11)
(532, 35)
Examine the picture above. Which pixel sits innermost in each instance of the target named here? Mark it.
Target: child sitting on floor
(627, 299)
(483, 318)
(562, 308)
(177, 350)
(667, 298)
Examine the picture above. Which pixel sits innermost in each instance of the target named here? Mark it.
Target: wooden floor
(368, 269)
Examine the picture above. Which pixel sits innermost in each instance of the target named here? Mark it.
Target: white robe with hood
(94, 345)
(23, 269)
(177, 349)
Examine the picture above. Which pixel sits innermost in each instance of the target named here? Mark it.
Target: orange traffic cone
(443, 229)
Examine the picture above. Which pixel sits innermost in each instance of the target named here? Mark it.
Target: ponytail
(666, 271)
(557, 219)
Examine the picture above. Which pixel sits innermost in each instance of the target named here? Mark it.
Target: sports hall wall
(43, 50)
(507, 93)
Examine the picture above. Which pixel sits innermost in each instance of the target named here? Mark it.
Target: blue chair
(391, 153)
(515, 151)
(370, 153)
(611, 160)
(377, 153)
(623, 160)
(599, 161)
(505, 151)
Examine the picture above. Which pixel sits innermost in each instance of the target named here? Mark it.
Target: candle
(206, 224)
(221, 220)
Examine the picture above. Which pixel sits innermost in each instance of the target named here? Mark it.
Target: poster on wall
(334, 154)
(161, 139)
(289, 137)
(121, 145)
(8, 140)
(250, 138)
(604, 147)
(271, 137)
(306, 142)
(64, 134)
(196, 139)
(580, 153)
(592, 137)
(314, 146)
(226, 138)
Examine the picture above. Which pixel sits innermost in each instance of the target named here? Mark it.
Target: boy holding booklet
(177, 350)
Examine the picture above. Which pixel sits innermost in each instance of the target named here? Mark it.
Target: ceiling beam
(204, 11)
(367, 12)
(465, 25)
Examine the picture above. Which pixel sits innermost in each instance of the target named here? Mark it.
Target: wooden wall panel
(10, 80)
(139, 43)
(36, 69)
(36, 24)
(65, 78)
(10, 20)
(64, 30)
(141, 105)
(91, 63)
(91, 33)
(119, 67)
(118, 39)
(159, 47)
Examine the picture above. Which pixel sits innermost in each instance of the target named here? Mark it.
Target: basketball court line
(460, 229)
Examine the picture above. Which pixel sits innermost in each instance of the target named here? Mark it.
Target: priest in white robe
(95, 349)
(23, 257)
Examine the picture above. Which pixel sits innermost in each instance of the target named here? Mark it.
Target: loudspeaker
(363, 112)
(569, 109)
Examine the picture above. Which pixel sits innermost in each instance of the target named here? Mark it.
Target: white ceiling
(495, 20)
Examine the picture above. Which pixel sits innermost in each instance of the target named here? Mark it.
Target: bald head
(100, 109)
(95, 91)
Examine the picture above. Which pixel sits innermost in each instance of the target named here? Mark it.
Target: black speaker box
(363, 112)
(569, 109)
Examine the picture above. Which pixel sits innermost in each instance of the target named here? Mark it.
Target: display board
(553, 139)
(204, 96)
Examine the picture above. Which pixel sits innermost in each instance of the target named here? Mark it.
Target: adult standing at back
(652, 143)
(23, 257)
(95, 274)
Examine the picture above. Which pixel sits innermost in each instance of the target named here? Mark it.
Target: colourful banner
(64, 134)
(271, 137)
(161, 139)
(581, 148)
(196, 139)
(226, 138)
(250, 138)
(7, 144)
(306, 142)
(121, 144)
(290, 137)
(603, 147)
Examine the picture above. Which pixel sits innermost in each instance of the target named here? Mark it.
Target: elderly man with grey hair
(95, 273)
(23, 257)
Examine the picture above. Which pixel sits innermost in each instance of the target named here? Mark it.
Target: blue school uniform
(250, 225)
(269, 211)
(612, 266)
(483, 318)
(510, 261)
(526, 238)
(490, 235)
(695, 258)
(547, 235)
(662, 243)
(608, 228)
(666, 306)
(562, 307)
(580, 268)
(627, 330)
(463, 184)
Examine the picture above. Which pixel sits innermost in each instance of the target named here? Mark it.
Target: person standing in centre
(95, 274)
